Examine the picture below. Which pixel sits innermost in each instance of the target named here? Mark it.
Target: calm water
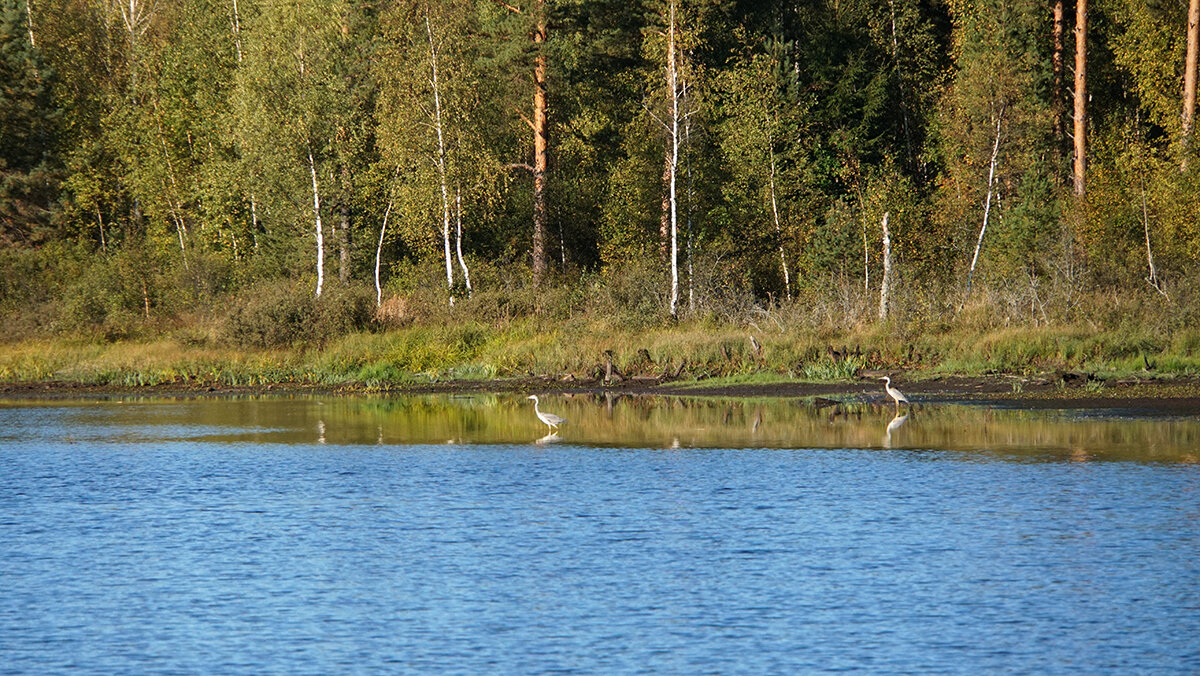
(449, 535)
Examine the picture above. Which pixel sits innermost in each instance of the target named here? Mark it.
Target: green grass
(716, 354)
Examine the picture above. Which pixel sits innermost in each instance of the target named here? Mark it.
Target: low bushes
(278, 313)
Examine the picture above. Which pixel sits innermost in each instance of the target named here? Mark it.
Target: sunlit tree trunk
(673, 84)
(1153, 272)
(29, 22)
(987, 205)
(540, 138)
(379, 247)
(236, 25)
(462, 263)
(540, 148)
(1057, 95)
(664, 221)
(1189, 76)
(787, 279)
(440, 161)
(379, 254)
(885, 286)
(312, 166)
(1080, 95)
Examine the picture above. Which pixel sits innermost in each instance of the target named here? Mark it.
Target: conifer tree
(28, 120)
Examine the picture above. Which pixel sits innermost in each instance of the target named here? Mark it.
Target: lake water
(314, 535)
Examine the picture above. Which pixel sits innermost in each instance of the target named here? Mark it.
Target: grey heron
(895, 394)
(552, 421)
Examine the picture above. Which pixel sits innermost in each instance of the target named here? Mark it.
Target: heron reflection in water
(894, 425)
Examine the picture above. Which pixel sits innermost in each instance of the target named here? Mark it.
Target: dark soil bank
(1180, 396)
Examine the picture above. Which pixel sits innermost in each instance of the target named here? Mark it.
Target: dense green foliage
(194, 166)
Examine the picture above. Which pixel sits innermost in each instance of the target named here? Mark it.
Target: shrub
(281, 312)
(114, 296)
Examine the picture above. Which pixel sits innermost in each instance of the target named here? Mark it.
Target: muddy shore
(1178, 396)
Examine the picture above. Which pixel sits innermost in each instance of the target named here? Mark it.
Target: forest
(257, 175)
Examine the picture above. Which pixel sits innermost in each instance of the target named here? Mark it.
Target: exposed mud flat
(1179, 396)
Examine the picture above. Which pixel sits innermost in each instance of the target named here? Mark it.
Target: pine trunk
(673, 83)
(539, 151)
(1057, 96)
(1080, 96)
(1189, 75)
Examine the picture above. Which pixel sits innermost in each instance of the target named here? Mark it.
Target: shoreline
(1179, 396)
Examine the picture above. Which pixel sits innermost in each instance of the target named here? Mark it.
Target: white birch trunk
(254, 220)
(441, 161)
(237, 31)
(1153, 278)
(29, 22)
(885, 286)
(100, 220)
(179, 228)
(866, 258)
(987, 205)
(462, 263)
(787, 279)
(312, 166)
(379, 254)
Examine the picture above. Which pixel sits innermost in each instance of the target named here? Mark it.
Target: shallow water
(450, 535)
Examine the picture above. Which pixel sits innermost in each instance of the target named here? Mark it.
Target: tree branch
(656, 117)
(527, 120)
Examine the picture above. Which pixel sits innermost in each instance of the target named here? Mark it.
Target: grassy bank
(577, 351)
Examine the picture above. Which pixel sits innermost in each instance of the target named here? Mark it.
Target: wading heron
(895, 394)
(552, 421)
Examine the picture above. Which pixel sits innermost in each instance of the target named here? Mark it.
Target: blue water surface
(151, 556)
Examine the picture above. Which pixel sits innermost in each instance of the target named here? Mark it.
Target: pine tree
(28, 119)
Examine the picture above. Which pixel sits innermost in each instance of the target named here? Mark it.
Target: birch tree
(677, 95)
(997, 128)
(672, 117)
(439, 158)
(759, 137)
(885, 286)
(289, 113)
(987, 203)
(430, 100)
